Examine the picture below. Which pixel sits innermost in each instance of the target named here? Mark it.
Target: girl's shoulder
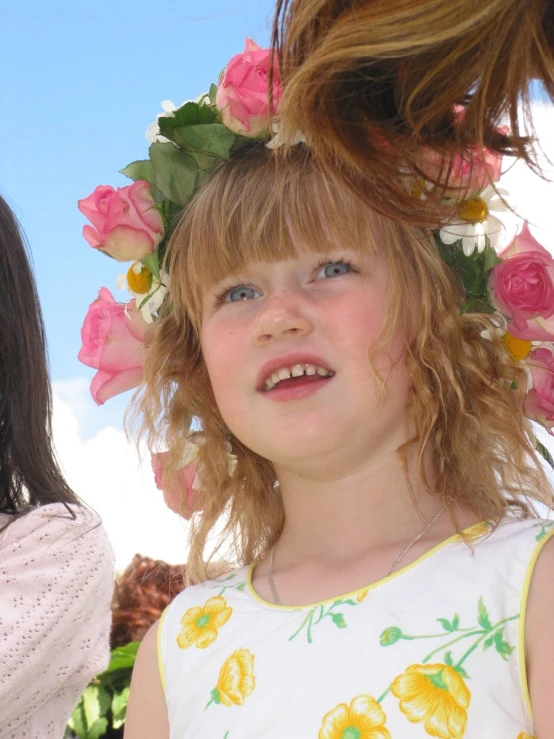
(55, 545)
(229, 586)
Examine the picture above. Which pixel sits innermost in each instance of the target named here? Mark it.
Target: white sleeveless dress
(434, 650)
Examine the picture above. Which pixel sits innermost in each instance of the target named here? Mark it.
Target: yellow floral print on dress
(524, 735)
(363, 719)
(236, 679)
(437, 695)
(199, 625)
(362, 595)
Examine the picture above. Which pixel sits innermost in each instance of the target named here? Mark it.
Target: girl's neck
(340, 517)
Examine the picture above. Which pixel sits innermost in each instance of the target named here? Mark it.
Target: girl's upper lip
(289, 360)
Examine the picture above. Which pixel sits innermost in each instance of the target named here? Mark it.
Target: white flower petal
(152, 132)
(121, 282)
(168, 107)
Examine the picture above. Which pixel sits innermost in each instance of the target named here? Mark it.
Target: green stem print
(545, 527)
(316, 615)
(485, 633)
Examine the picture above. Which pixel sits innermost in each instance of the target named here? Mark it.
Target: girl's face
(287, 346)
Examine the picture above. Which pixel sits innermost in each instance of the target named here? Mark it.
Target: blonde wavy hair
(468, 418)
(369, 83)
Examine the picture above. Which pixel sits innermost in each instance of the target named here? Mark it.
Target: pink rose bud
(522, 288)
(179, 488)
(113, 340)
(539, 403)
(243, 92)
(126, 223)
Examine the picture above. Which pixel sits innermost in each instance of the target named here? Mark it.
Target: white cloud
(105, 472)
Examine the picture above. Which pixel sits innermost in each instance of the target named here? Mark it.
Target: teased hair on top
(468, 420)
(367, 82)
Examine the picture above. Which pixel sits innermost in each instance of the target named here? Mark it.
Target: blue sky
(84, 82)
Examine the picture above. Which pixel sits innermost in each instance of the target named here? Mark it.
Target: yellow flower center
(519, 349)
(139, 283)
(474, 210)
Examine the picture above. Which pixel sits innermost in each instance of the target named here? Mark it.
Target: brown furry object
(146, 587)
(368, 82)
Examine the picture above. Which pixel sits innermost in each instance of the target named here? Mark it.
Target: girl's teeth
(296, 371)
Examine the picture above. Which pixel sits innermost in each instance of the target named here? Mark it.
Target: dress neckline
(473, 532)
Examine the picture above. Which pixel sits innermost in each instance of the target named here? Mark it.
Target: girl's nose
(281, 317)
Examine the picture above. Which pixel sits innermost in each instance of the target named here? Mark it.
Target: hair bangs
(263, 206)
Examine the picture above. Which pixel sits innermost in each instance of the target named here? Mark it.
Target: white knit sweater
(56, 582)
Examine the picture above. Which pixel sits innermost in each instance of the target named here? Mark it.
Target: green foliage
(543, 451)
(139, 170)
(104, 702)
(484, 619)
(473, 272)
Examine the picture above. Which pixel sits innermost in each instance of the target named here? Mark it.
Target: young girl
(56, 564)
(393, 579)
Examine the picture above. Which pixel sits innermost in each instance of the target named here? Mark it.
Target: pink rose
(127, 223)
(113, 339)
(470, 171)
(243, 92)
(179, 488)
(539, 403)
(522, 288)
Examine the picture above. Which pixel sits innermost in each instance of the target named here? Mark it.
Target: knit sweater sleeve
(56, 576)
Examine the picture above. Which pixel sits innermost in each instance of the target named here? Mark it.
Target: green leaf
(78, 722)
(98, 729)
(445, 623)
(484, 620)
(490, 259)
(543, 451)
(189, 114)
(152, 261)
(174, 173)
(91, 704)
(122, 657)
(241, 586)
(448, 658)
(455, 622)
(338, 620)
(213, 141)
(488, 643)
(502, 647)
(140, 170)
(119, 707)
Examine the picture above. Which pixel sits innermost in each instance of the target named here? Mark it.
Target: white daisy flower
(148, 291)
(477, 219)
(169, 108)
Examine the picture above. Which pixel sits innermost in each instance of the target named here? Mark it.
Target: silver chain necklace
(423, 531)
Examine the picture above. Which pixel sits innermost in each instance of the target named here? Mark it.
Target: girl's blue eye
(242, 292)
(334, 269)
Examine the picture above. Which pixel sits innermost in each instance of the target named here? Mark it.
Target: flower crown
(514, 282)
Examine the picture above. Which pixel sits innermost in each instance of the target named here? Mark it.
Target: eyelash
(222, 294)
(347, 262)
